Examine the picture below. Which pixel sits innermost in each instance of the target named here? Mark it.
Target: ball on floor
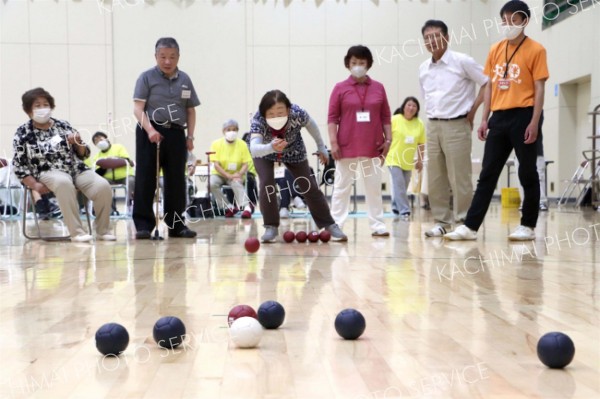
(246, 332)
(289, 236)
(112, 339)
(301, 236)
(313, 236)
(556, 350)
(350, 324)
(325, 236)
(252, 245)
(271, 314)
(240, 311)
(169, 332)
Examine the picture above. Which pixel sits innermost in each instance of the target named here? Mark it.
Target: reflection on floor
(444, 319)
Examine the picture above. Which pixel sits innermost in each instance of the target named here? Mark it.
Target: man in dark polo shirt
(164, 101)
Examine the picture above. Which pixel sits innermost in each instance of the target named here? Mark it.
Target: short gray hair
(229, 123)
(166, 42)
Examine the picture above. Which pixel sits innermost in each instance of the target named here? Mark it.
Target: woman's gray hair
(166, 42)
(230, 123)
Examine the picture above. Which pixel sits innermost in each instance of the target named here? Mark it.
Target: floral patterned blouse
(37, 150)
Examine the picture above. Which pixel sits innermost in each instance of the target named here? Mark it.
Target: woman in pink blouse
(360, 134)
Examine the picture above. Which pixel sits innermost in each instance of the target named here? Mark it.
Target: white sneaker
(284, 213)
(298, 203)
(522, 233)
(270, 235)
(106, 237)
(82, 238)
(461, 233)
(436, 231)
(380, 233)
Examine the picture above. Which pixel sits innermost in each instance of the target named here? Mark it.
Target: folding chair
(578, 183)
(110, 164)
(27, 204)
(574, 184)
(202, 206)
(9, 184)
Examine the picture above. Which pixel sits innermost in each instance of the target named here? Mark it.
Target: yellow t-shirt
(230, 156)
(115, 151)
(527, 65)
(407, 135)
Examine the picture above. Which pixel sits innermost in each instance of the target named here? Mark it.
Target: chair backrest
(112, 163)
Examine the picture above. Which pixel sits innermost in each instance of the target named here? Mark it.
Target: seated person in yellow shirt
(116, 175)
(231, 161)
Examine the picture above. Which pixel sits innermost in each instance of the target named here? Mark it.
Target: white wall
(574, 60)
(240, 50)
(63, 46)
(88, 54)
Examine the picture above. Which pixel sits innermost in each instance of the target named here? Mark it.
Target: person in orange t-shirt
(514, 94)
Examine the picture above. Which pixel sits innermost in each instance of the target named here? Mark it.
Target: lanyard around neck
(362, 98)
(508, 60)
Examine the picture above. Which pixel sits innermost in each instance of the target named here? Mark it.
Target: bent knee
(61, 182)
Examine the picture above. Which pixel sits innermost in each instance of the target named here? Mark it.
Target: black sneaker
(41, 208)
(54, 211)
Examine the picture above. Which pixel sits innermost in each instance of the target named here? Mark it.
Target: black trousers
(173, 156)
(307, 186)
(507, 131)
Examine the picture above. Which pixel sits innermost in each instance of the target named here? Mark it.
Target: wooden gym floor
(444, 320)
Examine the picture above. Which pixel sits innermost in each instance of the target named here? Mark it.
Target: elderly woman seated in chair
(49, 156)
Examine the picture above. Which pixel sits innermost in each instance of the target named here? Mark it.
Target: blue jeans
(400, 181)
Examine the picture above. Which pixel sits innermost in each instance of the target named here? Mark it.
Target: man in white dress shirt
(448, 85)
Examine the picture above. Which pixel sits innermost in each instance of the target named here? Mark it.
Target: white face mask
(103, 145)
(511, 32)
(358, 71)
(42, 115)
(231, 135)
(277, 123)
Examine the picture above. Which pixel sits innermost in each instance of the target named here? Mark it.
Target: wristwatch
(191, 138)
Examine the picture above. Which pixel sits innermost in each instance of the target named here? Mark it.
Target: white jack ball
(246, 332)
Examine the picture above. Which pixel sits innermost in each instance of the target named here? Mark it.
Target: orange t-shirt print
(526, 66)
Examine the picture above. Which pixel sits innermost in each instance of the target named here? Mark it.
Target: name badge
(503, 84)
(279, 172)
(232, 166)
(364, 116)
(185, 94)
(55, 140)
(409, 140)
